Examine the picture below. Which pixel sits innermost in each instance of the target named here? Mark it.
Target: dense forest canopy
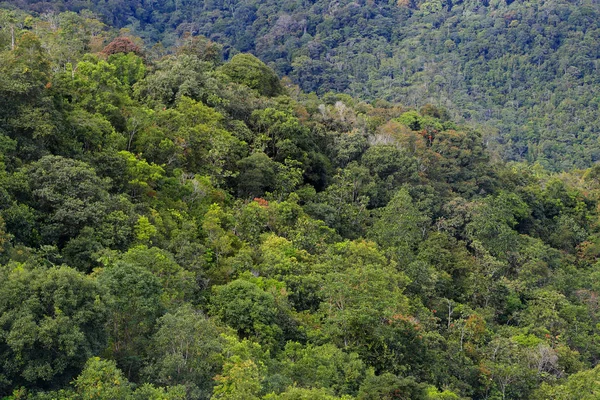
(526, 69)
(176, 222)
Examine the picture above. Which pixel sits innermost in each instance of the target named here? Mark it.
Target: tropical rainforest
(527, 70)
(411, 212)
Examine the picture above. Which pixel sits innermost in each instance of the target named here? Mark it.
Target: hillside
(177, 226)
(526, 69)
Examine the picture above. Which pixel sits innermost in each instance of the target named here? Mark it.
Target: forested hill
(528, 69)
(178, 227)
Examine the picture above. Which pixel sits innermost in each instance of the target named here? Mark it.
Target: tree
(122, 44)
(143, 176)
(494, 221)
(221, 241)
(400, 226)
(243, 370)
(258, 174)
(175, 77)
(51, 321)
(343, 204)
(363, 303)
(177, 283)
(186, 350)
(134, 303)
(130, 67)
(388, 387)
(69, 194)
(248, 70)
(251, 311)
(27, 113)
(101, 379)
(325, 367)
(295, 393)
(392, 166)
(240, 380)
(202, 48)
(580, 386)
(96, 86)
(280, 135)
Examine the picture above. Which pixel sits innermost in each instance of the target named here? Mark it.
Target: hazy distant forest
(299, 200)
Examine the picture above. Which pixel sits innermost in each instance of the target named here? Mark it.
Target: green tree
(295, 393)
(363, 296)
(258, 175)
(221, 241)
(251, 311)
(51, 321)
(494, 221)
(343, 205)
(324, 367)
(580, 386)
(101, 379)
(174, 77)
(129, 67)
(69, 195)
(142, 176)
(392, 166)
(186, 350)
(177, 283)
(250, 71)
(240, 380)
(400, 226)
(388, 387)
(134, 303)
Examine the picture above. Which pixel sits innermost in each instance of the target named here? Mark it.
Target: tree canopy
(179, 223)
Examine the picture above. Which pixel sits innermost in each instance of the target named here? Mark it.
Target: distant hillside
(527, 69)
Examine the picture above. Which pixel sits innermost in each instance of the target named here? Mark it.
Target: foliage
(185, 225)
(51, 321)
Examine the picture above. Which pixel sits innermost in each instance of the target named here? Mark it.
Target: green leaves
(251, 311)
(51, 321)
(101, 379)
(186, 349)
(68, 193)
(325, 367)
(250, 71)
(222, 256)
(494, 220)
(143, 176)
(580, 386)
(362, 294)
(134, 303)
(400, 226)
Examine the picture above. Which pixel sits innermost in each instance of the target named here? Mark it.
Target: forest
(526, 70)
(178, 222)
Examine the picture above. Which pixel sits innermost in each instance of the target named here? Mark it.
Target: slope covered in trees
(178, 227)
(527, 69)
